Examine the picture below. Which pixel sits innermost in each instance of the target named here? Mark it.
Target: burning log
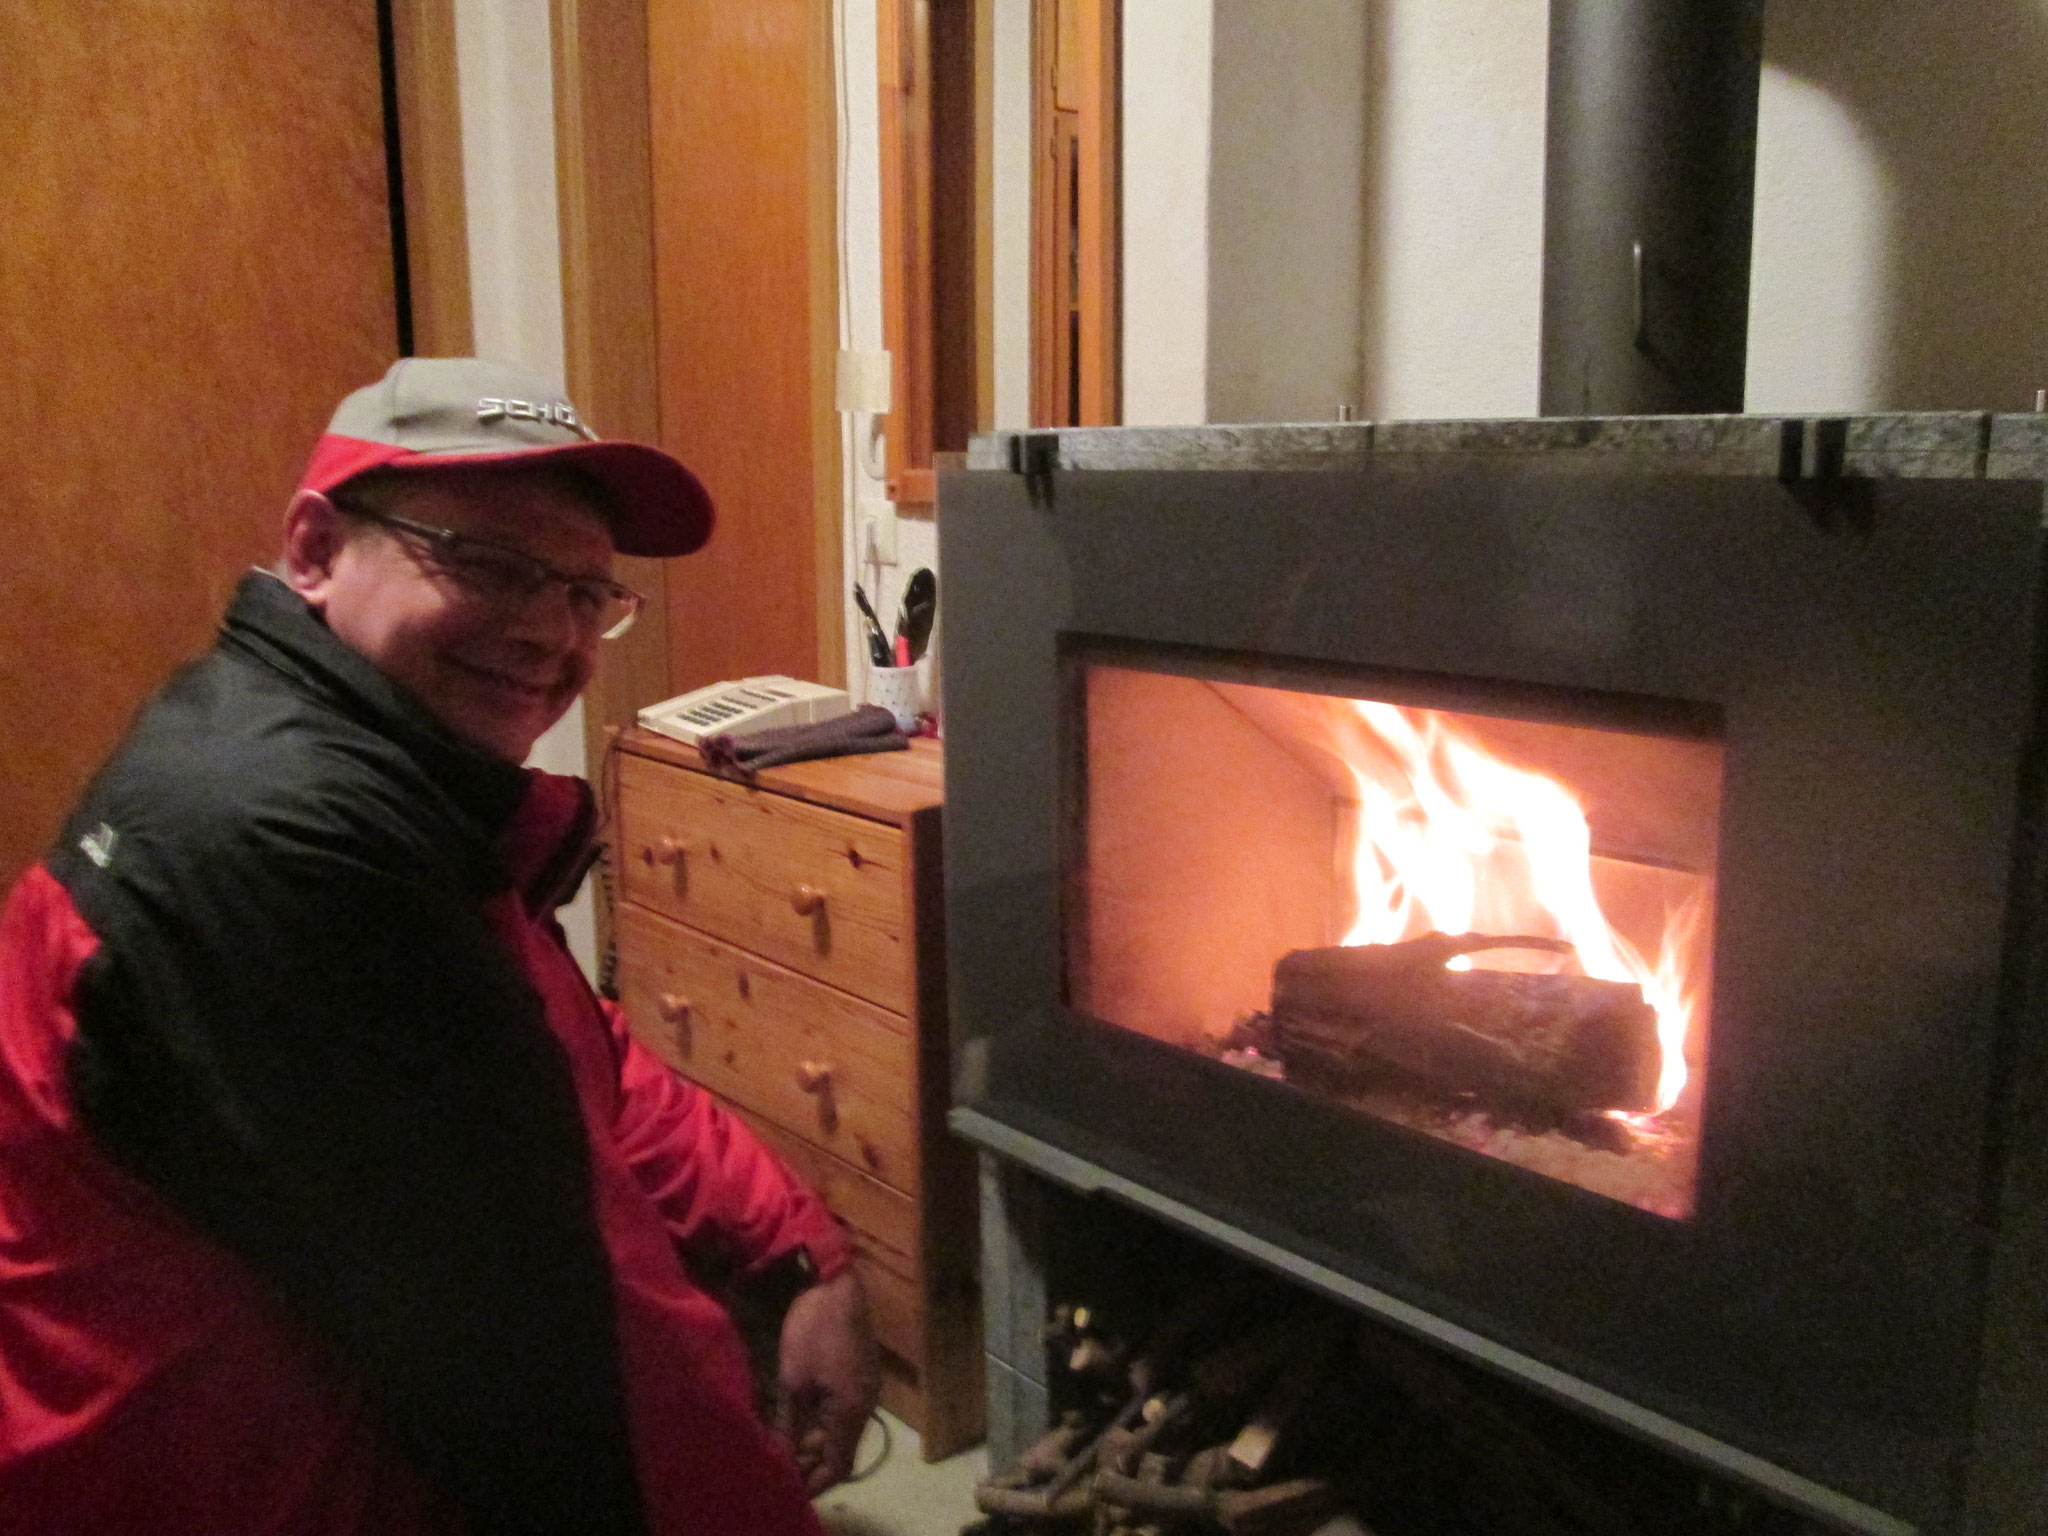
(1564, 1044)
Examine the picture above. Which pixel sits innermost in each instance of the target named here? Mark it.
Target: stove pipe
(1649, 186)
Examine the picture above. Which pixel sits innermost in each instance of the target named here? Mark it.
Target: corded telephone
(751, 704)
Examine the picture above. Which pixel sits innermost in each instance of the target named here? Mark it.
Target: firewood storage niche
(1482, 914)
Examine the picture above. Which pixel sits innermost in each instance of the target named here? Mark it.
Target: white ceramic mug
(896, 690)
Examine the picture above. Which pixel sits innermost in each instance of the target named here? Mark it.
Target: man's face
(496, 674)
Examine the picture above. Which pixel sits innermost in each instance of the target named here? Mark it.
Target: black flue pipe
(1649, 191)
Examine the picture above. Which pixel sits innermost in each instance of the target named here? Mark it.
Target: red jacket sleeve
(729, 1201)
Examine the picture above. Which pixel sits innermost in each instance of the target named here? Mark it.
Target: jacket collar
(544, 824)
(270, 622)
(551, 843)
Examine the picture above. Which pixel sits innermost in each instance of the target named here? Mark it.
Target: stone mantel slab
(1934, 445)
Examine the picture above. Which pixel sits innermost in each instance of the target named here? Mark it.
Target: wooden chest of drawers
(780, 943)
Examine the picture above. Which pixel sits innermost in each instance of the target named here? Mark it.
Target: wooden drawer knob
(807, 899)
(663, 850)
(675, 1008)
(814, 1076)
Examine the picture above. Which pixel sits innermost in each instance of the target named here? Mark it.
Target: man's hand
(829, 1379)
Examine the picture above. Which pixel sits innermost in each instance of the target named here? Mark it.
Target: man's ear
(314, 533)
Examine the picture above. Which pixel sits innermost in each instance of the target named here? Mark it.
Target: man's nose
(548, 616)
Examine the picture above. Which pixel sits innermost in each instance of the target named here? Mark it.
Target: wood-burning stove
(1725, 1123)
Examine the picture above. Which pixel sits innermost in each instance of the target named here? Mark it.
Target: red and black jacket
(331, 1199)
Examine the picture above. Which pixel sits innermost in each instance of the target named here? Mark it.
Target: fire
(1452, 838)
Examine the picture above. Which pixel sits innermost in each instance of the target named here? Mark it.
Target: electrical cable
(860, 1474)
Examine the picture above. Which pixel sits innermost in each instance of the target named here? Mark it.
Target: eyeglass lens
(496, 574)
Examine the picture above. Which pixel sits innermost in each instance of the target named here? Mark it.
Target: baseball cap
(430, 413)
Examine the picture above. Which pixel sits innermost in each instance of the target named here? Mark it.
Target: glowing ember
(1452, 838)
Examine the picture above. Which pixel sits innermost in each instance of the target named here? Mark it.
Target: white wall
(1287, 216)
(1332, 201)
(1011, 214)
(1818, 264)
(860, 310)
(505, 63)
(505, 66)
(1901, 247)
(1901, 233)
(1454, 205)
(1167, 47)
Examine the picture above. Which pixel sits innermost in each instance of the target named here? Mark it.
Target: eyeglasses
(504, 577)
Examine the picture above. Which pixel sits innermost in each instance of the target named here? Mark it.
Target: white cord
(874, 443)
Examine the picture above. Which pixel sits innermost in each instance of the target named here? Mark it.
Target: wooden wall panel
(904, 123)
(1076, 362)
(436, 204)
(741, 117)
(606, 198)
(196, 266)
(828, 576)
(931, 100)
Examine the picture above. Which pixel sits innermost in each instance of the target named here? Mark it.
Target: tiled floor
(905, 1495)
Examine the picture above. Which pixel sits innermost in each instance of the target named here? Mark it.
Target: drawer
(820, 891)
(894, 1309)
(836, 1071)
(884, 1222)
(884, 1227)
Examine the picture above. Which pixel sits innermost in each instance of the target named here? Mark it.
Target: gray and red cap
(444, 413)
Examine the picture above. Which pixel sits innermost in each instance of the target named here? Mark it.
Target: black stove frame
(1847, 1319)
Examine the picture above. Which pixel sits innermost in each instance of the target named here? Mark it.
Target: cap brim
(659, 508)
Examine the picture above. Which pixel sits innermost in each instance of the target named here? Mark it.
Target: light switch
(861, 383)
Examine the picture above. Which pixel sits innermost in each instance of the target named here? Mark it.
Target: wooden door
(197, 265)
(936, 261)
(1076, 358)
(746, 317)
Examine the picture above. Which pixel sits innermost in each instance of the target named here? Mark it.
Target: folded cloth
(870, 728)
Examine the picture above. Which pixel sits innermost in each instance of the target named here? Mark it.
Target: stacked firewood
(1190, 1433)
(1252, 1409)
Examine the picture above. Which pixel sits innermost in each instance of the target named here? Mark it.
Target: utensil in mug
(878, 642)
(920, 605)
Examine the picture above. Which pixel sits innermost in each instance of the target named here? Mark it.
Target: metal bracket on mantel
(1812, 449)
(1812, 454)
(1035, 455)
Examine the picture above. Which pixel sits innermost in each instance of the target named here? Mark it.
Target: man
(331, 1199)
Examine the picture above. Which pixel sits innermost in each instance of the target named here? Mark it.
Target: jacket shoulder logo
(98, 844)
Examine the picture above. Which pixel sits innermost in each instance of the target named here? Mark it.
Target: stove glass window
(1485, 917)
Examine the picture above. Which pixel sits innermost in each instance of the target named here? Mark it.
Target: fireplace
(1567, 888)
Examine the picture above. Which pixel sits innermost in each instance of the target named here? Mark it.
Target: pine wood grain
(1076, 200)
(918, 1257)
(755, 1033)
(745, 855)
(196, 267)
(1099, 220)
(436, 203)
(884, 1221)
(888, 786)
(876, 1217)
(744, 254)
(606, 201)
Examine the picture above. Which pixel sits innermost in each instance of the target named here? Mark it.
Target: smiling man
(501, 635)
(331, 1198)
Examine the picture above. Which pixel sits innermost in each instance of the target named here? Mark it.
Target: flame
(1452, 838)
